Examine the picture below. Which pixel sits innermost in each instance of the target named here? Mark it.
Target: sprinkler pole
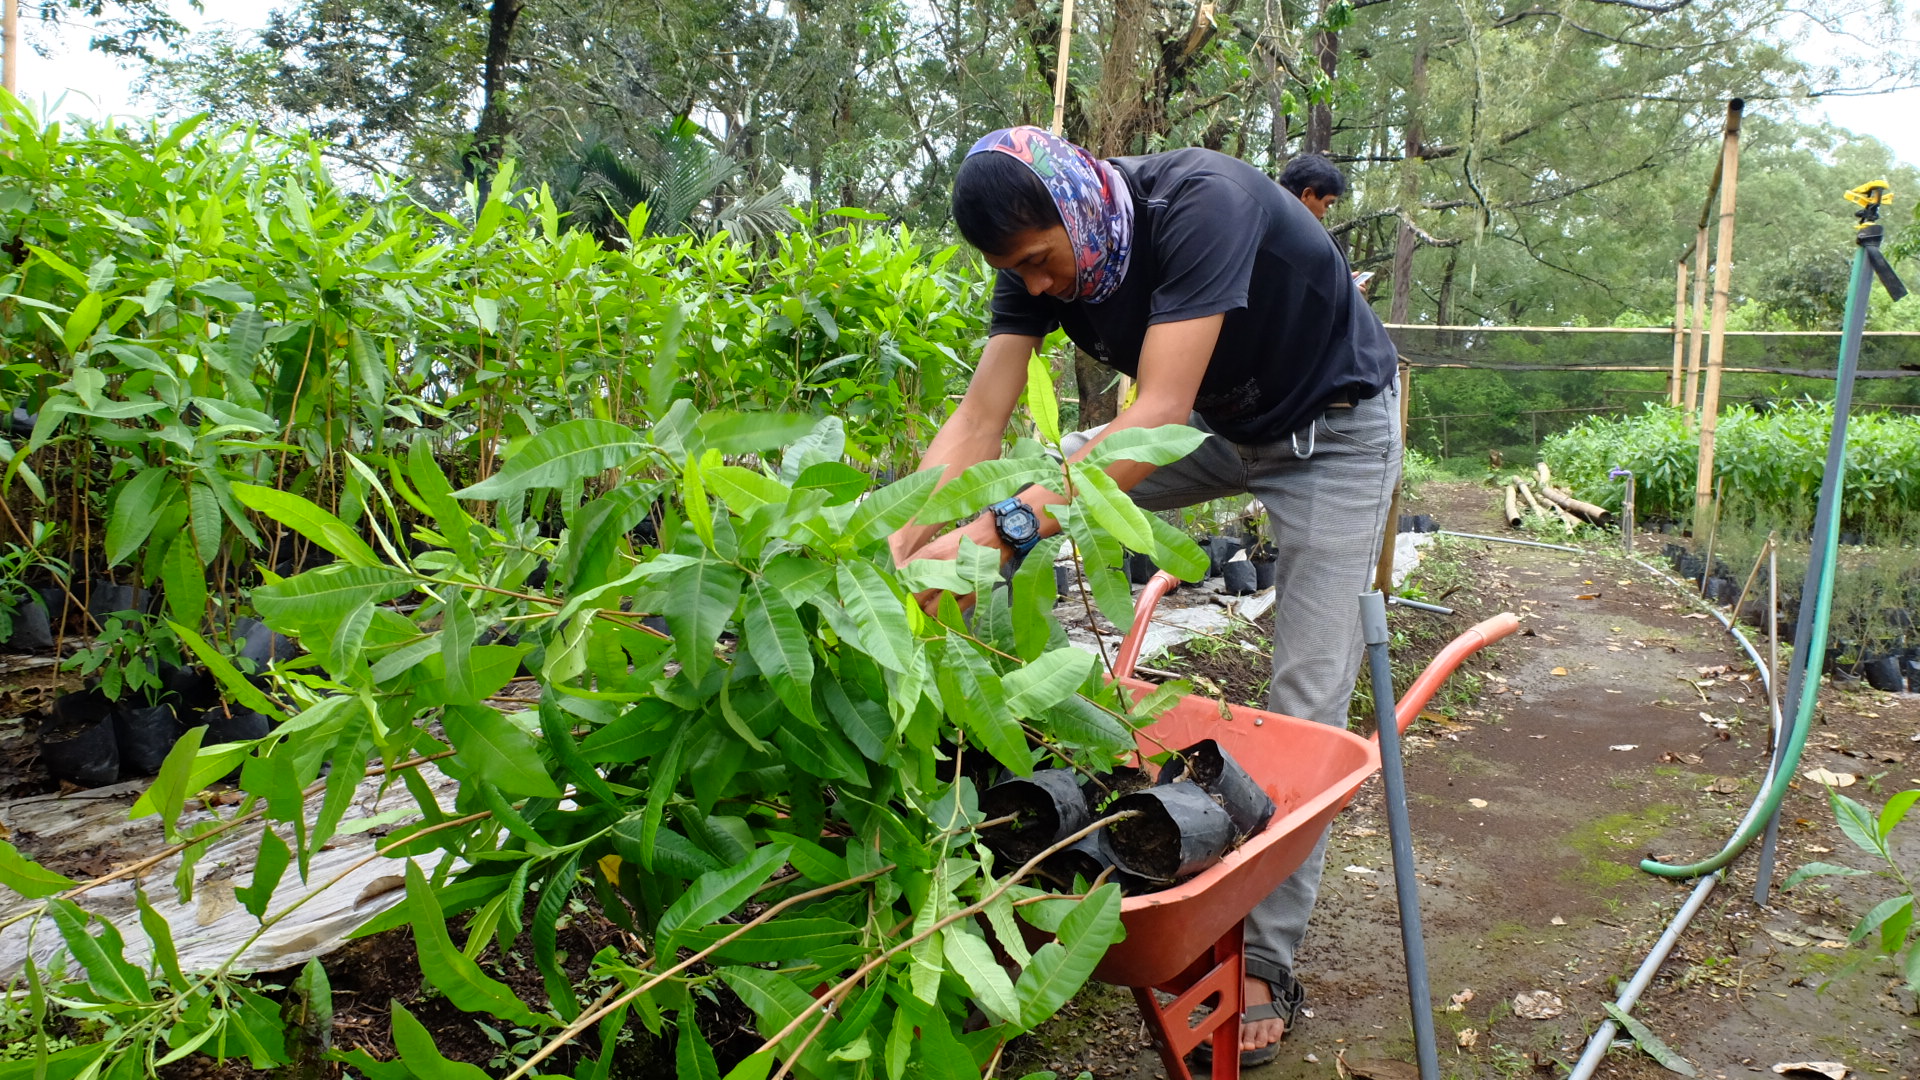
(1373, 626)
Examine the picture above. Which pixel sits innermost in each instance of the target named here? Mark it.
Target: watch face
(1020, 527)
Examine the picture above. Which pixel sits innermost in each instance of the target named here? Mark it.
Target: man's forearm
(961, 443)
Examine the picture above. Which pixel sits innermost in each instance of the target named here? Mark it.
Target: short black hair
(1313, 171)
(996, 197)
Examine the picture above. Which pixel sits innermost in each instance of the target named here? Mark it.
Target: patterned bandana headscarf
(1091, 196)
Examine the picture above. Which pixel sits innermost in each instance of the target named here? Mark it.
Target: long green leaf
(135, 511)
(1858, 823)
(700, 600)
(1820, 869)
(185, 579)
(971, 958)
(1645, 1039)
(313, 604)
(560, 455)
(1047, 681)
(420, 1056)
(734, 433)
(974, 699)
(1877, 915)
(29, 878)
(107, 970)
(1162, 445)
(1111, 508)
(1042, 404)
(987, 482)
(780, 645)
(879, 615)
(498, 751)
(309, 521)
(449, 970)
(238, 689)
(268, 867)
(891, 507)
(718, 893)
(1060, 968)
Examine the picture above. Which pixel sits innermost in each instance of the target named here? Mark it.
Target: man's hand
(981, 532)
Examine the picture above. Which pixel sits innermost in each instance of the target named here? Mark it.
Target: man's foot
(1256, 1034)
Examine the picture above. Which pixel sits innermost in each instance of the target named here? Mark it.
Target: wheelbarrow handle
(1156, 587)
(1417, 695)
(1448, 659)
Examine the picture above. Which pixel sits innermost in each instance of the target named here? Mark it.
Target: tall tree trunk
(1326, 48)
(1410, 176)
(490, 136)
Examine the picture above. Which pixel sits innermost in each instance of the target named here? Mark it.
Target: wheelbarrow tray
(1310, 771)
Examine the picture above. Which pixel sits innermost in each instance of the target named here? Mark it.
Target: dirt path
(1614, 727)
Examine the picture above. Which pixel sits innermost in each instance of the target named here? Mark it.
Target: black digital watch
(1017, 524)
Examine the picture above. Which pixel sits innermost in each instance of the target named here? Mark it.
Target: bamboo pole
(1722, 296)
(1679, 332)
(1060, 69)
(1692, 391)
(1513, 508)
(1565, 501)
(10, 32)
(1383, 570)
(1527, 493)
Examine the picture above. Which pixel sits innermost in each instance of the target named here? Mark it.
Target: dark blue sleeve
(1207, 240)
(1016, 311)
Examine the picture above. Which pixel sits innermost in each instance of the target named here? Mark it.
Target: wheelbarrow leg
(1221, 972)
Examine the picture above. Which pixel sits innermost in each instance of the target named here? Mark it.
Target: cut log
(1513, 508)
(1594, 514)
(1527, 493)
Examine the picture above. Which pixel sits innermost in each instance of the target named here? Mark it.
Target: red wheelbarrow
(1186, 940)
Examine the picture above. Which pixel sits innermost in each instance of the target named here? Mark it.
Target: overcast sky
(95, 85)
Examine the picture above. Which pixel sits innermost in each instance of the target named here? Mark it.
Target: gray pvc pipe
(1373, 627)
(1510, 540)
(1602, 1039)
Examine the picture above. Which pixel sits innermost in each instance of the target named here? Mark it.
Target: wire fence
(1481, 389)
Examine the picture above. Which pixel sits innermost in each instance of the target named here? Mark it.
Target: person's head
(1002, 208)
(1046, 210)
(1316, 181)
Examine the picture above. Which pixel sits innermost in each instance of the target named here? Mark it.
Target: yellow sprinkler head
(1871, 193)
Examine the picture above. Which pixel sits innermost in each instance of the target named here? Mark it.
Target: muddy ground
(1565, 756)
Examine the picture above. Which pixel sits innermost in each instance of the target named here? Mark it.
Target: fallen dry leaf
(1558, 671)
(1468, 1038)
(1557, 921)
(1361, 870)
(1724, 785)
(1695, 615)
(1682, 759)
(1624, 746)
(1785, 938)
(1538, 1005)
(1458, 1002)
(1477, 804)
(1830, 779)
(1382, 1069)
(1833, 1070)
(1588, 596)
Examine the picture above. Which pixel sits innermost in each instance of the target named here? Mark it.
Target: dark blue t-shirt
(1213, 234)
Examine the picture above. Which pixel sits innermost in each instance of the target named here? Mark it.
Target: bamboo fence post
(10, 31)
(1722, 293)
(1383, 570)
(1679, 332)
(1690, 393)
(1060, 69)
(1513, 508)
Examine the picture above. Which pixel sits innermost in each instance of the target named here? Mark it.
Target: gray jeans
(1327, 489)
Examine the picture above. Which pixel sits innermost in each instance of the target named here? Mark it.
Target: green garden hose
(1810, 636)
